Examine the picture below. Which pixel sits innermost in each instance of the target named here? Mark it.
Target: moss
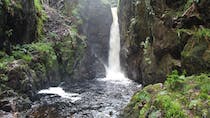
(188, 4)
(197, 33)
(3, 77)
(169, 107)
(45, 51)
(21, 53)
(4, 61)
(192, 100)
(41, 17)
(12, 5)
(174, 81)
(202, 33)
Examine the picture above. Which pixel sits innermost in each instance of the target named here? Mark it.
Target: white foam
(60, 92)
(113, 71)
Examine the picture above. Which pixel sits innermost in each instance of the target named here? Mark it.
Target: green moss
(144, 111)
(169, 101)
(11, 6)
(21, 53)
(3, 77)
(174, 81)
(67, 54)
(169, 107)
(4, 61)
(197, 33)
(38, 6)
(45, 51)
(41, 17)
(202, 33)
(188, 4)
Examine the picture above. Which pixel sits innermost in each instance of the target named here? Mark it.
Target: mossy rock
(154, 101)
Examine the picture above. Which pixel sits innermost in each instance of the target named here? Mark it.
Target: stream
(97, 98)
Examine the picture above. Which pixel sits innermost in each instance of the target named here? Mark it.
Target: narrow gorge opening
(100, 97)
(76, 48)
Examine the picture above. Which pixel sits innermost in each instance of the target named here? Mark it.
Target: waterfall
(114, 51)
(114, 70)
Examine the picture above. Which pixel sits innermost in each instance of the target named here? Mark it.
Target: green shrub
(174, 81)
(197, 33)
(202, 33)
(170, 107)
(21, 53)
(45, 51)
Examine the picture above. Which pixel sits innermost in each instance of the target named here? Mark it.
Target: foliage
(6, 59)
(197, 33)
(21, 53)
(170, 108)
(188, 4)
(45, 51)
(202, 33)
(174, 81)
(172, 101)
(11, 5)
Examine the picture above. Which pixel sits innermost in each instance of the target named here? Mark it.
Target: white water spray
(60, 92)
(113, 72)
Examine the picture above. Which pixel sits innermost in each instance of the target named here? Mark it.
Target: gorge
(104, 58)
(115, 89)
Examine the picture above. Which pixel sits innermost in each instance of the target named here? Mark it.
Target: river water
(97, 98)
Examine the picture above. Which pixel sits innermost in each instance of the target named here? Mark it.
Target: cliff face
(160, 36)
(97, 20)
(19, 22)
(39, 47)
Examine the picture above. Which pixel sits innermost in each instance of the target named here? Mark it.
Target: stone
(97, 20)
(151, 43)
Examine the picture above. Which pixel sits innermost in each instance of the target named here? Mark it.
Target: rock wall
(18, 21)
(97, 20)
(159, 36)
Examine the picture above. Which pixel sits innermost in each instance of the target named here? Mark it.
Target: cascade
(113, 71)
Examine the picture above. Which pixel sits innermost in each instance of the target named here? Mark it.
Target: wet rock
(45, 111)
(98, 99)
(18, 21)
(11, 101)
(97, 20)
(151, 42)
(19, 73)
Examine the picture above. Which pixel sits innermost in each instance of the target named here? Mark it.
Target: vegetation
(179, 97)
(41, 17)
(197, 33)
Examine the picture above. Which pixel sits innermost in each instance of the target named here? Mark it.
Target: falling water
(114, 70)
(114, 59)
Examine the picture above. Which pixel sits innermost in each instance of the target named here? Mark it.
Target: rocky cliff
(97, 20)
(19, 22)
(159, 36)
